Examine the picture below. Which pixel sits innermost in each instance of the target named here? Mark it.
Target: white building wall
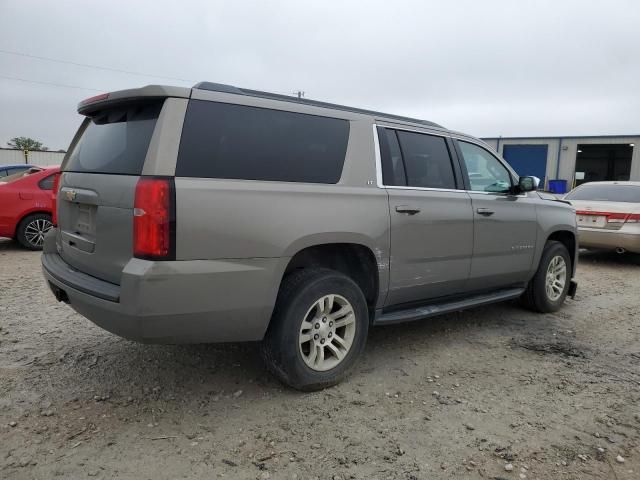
(42, 159)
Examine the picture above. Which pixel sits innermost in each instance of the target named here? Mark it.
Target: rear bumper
(609, 240)
(173, 302)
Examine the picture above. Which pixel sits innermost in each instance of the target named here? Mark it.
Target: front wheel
(318, 329)
(548, 288)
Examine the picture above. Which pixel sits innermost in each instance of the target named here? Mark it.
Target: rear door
(431, 217)
(505, 224)
(97, 188)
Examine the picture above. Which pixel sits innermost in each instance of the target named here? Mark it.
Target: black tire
(281, 348)
(24, 234)
(535, 296)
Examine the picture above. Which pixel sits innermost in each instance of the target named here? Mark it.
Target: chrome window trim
(426, 189)
(378, 158)
(376, 146)
(379, 163)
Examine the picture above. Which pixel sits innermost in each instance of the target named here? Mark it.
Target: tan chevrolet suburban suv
(218, 214)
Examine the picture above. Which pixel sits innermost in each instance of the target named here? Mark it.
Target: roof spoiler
(98, 102)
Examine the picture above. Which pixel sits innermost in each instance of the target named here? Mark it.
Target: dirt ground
(461, 396)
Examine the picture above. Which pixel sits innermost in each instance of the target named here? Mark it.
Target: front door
(505, 224)
(431, 218)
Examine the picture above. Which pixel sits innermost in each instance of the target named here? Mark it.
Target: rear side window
(606, 193)
(417, 160)
(222, 140)
(115, 140)
(47, 182)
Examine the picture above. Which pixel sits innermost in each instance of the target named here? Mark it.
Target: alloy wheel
(556, 278)
(36, 230)
(327, 332)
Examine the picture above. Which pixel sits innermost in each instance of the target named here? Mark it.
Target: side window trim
(455, 164)
(463, 166)
(44, 183)
(385, 157)
(404, 165)
(383, 154)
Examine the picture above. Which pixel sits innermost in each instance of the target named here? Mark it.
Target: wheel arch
(356, 260)
(568, 239)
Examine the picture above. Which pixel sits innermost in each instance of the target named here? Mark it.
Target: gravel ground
(496, 393)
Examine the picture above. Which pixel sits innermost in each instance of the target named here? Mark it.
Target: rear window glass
(222, 140)
(47, 182)
(606, 193)
(115, 140)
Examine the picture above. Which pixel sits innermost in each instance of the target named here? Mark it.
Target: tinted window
(3, 173)
(47, 182)
(392, 166)
(222, 140)
(426, 160)
(606, 193)
(115, 141)
(486, 172)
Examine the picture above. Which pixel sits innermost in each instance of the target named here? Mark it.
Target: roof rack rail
(221, 87)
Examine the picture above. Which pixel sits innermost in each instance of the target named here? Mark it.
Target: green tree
(26, 143)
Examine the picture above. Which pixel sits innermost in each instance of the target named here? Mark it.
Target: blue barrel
(558, 186)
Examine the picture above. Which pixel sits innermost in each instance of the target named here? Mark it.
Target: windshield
(606, 193)
(115, 140)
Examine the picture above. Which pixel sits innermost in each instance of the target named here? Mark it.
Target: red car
(25, 206)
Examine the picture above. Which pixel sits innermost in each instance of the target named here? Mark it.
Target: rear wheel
(32, 229)
(318, 329)
(548, 288)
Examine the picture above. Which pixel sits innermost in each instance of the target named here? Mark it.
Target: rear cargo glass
(606, 193)
(222, 140)
(115, 140)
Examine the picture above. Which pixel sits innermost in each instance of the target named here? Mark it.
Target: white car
(608, 215)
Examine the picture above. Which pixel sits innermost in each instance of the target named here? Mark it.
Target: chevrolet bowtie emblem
(71, 195)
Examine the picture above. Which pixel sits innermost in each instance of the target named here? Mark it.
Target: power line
(49, 83)
(88, 65)
(300, 94)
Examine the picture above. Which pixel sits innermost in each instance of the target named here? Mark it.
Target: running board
(431, 310)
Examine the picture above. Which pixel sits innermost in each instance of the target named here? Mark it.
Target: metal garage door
(527, 160)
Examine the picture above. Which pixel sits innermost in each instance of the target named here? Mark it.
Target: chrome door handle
(487, 212)
(407, 209)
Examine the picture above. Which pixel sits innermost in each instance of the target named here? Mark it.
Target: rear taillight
(96, 98)
(154, 219)
(615, 219)
(54, 199)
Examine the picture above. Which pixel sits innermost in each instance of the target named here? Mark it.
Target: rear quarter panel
(20, 198)
(239, 219)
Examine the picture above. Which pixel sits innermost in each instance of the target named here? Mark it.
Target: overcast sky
(487, 67)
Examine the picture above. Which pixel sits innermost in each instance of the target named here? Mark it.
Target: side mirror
(528, 184)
